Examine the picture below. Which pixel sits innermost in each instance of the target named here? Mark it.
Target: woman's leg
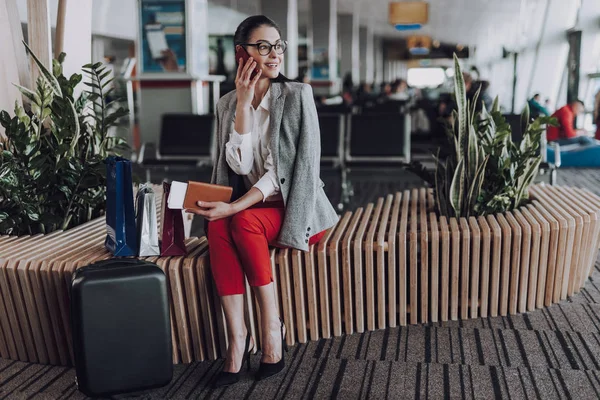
(270, 324)
(229, 279)
(233, 306)
(252, 231)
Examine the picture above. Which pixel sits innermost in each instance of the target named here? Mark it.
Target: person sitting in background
(565, 133)
(386, 89)
(536, 108)
(364, 95)
(471, 87)
(348, 97)
(399, 91)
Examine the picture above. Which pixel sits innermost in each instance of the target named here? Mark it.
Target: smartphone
(155, 35)
(243, 54)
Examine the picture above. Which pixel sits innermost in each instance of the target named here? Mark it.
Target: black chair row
(370, 107)
(362, 139)
(346, 140)
(185, 140)
(365, 138)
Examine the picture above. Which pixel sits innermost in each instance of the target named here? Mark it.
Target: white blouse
(254, 160)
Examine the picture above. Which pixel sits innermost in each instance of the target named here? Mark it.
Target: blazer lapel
(276, 113)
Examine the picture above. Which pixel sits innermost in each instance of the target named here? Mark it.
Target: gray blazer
(296, 148)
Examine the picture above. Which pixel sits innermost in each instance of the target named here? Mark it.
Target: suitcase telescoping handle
(120, 262)
(111, 263)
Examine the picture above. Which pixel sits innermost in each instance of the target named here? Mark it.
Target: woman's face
(271, 63)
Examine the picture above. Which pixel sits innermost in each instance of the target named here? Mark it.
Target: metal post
(514, 88)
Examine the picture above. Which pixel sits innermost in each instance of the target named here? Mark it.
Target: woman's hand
(243, 83)
(214, 210)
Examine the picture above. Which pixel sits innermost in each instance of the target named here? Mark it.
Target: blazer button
(306, 241)
(308, 235)
(308, 229)
(282, 181)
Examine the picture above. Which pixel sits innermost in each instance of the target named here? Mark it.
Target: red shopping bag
(172, 233)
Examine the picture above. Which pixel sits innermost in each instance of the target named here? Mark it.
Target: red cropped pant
(239, 245)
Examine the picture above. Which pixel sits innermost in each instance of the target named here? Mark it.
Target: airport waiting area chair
(378, 139)
(332, 127)
(185, 140)
(368, 140)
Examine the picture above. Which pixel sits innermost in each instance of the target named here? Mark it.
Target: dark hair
(579, 101)
(536, 95)
(245, 29)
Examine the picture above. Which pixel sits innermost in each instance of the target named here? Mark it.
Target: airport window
(426, 77)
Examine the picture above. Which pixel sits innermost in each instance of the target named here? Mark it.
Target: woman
(271, 159)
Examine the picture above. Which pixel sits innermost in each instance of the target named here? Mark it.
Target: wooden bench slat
(347, 273)
(495, 265)
(474, 265)
(359, 268)
(534, 257)
(312, 289)
(193, 298)
(380, 252)
(392, 265)
(465, 256)
(413, 257)
(299, 298)
(323, 271)
(515, 262)
(486, 252)
(424, 244)
(445, 280)
(455, 268)
(403, 258)
(334, 272)
(435, 266)
(526, 262)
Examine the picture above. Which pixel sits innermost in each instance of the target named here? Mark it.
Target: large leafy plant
(52, 174)
(485, 172)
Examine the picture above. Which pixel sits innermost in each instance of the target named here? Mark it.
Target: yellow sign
(408, 13)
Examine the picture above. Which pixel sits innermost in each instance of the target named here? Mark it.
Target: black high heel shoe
(267, 370)
(229, 378)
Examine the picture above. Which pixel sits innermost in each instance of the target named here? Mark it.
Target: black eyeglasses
(264, 48)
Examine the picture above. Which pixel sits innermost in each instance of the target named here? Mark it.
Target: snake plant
(484, 172)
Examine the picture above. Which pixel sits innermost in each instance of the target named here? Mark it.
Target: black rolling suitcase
(120, 327)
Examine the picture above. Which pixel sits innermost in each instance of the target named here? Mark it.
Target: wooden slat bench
(392, 262)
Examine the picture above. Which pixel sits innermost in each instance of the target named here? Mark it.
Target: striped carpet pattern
(551, 353)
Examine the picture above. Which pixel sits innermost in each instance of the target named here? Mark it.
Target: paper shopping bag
(172, 236)
(121, 233)
(147, 227)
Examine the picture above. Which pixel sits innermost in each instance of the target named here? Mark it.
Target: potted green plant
(485, 172)
(52, 174)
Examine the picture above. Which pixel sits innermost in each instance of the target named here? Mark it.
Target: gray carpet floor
(551, 353)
